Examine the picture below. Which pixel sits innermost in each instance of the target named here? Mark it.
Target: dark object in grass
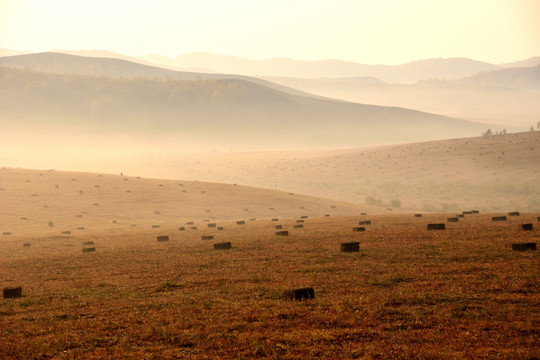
(87, 250)
(207, 237)
(524, 246)
(299, 294)
(223, 245)
(211, 225)
(240, 222)
(87, 243)
(436, 227)
(364, 222)
(66, 232)
(513, 213)
(417, 215)
(26, 245)
(299, 221)
(527, 227)
(220, 228)
(12, 292)
(182, 229)
(452, 219)
(298, 226)
(350, 247)
(275, 219)
(282, 233)
(279, 227)
(498, 218)
(358, 229)
(155, 226)
(163, 238)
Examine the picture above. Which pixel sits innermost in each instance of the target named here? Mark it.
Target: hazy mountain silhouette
(409, 73)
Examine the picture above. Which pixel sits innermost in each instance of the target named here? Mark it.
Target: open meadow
(408, 292)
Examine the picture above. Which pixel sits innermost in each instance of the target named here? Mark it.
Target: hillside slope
(228, 113)
(30, 199)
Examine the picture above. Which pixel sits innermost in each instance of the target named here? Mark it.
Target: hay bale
(240, 222)
(223, 246)
(182, 229)
(157, 212)
(417, 215)
(81, 192)
(271, 208)
(220, 228)
(364, 222)
(162, 238)
(299, 294)
(475, 211)
(207, 237)
(350, 246)
(207, 211)
(26, 245)
(282, 233)
(88, 243)
(538, 218)
(279, 227)
(253, 219)
(24, 218)
(80, 228)
(498, 218)
(67, 232)
(326, 215)
(513, 213)
(358, 229)
(114, 222)
(211, 225)
(79, 216)
(155, 226)
(95, 204)
(88, 250)
(299, 221)
(527, 227)
(193, 228)
(436, 227)
(333, 206)
(460, 215)
(12, 292)
(51, 224)
(275, 219)
(524, 246)
(6, 233)
(303, 217)
(189, 223)
(452, 219)
(298, 226)
(363, 213)
(467, 212)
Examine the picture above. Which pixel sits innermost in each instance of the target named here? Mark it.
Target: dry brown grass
(408, 293)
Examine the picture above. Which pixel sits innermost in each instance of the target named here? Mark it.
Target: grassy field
(408, 292)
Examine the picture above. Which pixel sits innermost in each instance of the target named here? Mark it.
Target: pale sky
(364, 31)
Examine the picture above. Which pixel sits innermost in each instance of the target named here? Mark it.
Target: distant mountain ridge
(409, 73)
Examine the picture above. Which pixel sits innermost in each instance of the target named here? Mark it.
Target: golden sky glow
(386, 31)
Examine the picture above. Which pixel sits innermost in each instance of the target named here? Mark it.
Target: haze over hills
(507, 97)
(133, 99)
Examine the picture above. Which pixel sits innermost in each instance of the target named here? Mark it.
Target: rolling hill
(118, 97)
(492, 173)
